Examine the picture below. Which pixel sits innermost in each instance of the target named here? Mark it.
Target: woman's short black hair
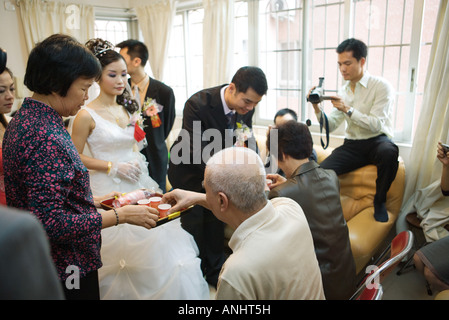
(56, 62)
(250, 77)
(294, 140)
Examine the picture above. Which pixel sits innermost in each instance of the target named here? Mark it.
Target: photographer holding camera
(366, 103)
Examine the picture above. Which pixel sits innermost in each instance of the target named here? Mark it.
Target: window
(184, 71)
(326, 31)
(115, 24)
(294, 42)
(393, 31)
(112, 30)
(280, 54)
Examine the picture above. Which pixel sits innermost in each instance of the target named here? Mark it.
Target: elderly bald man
(273, 255)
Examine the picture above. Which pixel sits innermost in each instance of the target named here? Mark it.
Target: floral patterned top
(44, 175)
(2, 181)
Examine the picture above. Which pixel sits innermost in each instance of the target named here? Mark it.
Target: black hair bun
(99, 46)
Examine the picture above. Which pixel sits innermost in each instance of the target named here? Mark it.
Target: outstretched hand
(276, 180)
(181, 199)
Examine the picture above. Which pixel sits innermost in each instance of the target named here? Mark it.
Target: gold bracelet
(109, 167)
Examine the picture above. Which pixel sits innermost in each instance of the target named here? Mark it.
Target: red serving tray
(107, 205)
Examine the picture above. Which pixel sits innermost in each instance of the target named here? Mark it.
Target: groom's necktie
(231, 119)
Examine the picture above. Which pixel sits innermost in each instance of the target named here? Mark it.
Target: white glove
(127, 170)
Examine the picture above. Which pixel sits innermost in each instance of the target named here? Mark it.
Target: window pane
(111, 30)
(280, 44)
(240, 35)
(326, 32)
(175, 75)
(386, 27)
(184, 72)
(195, 76)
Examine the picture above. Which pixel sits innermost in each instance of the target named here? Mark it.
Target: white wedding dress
(161, 263)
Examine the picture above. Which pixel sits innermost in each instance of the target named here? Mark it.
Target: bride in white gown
(160, 263)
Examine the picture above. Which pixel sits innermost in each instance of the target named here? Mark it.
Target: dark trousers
(89, 288)
(354, 154)
(208, 233)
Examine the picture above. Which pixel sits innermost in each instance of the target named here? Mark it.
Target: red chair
(398, 249)
(374, 293)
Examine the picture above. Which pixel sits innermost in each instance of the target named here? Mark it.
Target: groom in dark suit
(209, 118)
(157, 129)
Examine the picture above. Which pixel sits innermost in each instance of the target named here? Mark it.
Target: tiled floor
(408, 286)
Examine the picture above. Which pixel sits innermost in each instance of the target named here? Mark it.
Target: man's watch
(350, 111)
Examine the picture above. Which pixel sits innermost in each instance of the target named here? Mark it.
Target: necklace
(116, 112)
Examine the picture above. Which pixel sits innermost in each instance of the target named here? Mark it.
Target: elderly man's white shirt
(273, 257)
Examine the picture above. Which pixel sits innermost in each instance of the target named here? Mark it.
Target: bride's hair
(105, 53)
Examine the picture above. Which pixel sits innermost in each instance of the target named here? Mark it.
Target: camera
(317, 94)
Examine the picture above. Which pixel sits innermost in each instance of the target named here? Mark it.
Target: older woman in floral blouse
(43, 171)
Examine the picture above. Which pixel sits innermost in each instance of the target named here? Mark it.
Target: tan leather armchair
(357, 189)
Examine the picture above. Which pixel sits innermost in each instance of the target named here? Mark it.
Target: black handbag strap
(326, 128)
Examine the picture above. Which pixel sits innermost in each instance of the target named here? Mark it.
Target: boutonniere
(242, 133)
(151, 109)
(136, 121)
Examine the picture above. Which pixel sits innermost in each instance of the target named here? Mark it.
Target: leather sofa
(357, 189)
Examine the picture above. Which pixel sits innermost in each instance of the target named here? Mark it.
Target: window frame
(406, 134)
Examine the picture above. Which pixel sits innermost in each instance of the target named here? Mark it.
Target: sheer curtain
(218, 35)
(155, 22)
(423, 193)
(41, 19)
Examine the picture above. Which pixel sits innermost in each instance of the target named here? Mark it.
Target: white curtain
(218, 41)
(155, 22)
(423, 193)
(41, 19)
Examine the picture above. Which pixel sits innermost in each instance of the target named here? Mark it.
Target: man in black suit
(209, 119)
(156, 153)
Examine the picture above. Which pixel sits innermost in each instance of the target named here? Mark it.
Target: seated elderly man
(317, 191)
(273, 255)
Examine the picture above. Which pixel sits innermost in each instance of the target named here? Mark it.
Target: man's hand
(442, 155)
(315, 106)
(276, 180)
(339, 104)
(182, 199)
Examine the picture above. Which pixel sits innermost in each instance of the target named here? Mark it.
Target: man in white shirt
(366, 103)
(273, 254)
